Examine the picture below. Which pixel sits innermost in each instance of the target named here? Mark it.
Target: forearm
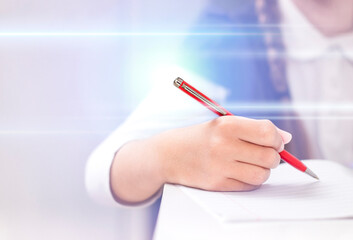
(140, 168)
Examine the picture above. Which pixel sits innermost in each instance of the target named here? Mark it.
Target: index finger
(260, 132)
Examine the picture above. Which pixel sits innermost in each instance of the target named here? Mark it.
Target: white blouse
(320, 78)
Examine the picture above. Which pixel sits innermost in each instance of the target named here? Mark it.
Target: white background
(61, 96)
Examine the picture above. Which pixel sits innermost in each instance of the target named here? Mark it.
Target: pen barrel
(216, 108)
(201, 98)
(290, 159)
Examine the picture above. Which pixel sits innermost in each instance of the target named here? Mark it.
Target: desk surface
(181, 218)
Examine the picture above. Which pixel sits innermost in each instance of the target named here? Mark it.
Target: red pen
(216, 108)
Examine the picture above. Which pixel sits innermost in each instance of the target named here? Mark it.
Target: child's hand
(226, 154)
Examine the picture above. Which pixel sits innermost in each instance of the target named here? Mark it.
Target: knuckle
(216, 184)
(216, 141)
(271, 158)
(243, 187)
(220, 134)
(259, 176)
(222, 123)
(277, 159)
(215, 147)
(268, 131)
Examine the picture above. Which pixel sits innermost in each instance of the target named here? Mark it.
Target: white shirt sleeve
(165, 108)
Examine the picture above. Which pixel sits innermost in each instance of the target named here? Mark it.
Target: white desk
(181, 218)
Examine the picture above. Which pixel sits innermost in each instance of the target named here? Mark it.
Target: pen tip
(311, 173)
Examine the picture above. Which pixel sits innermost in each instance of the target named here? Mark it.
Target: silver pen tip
(311, 173)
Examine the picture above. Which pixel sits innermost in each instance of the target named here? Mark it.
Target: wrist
(153, 161)
(167, 148)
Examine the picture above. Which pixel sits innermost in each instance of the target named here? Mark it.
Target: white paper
(288, 195)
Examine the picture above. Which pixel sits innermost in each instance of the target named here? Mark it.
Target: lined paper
(288, 195)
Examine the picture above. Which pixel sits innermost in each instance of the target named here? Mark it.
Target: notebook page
(288, 195)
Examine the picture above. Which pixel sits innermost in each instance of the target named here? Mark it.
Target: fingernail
(286, 136)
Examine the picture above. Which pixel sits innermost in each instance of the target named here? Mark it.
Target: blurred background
(62, 95)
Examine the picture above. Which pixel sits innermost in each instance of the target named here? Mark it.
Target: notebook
(288, 195)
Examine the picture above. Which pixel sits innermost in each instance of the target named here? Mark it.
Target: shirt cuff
(97, 179)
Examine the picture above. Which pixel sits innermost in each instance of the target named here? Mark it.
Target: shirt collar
(304, 42)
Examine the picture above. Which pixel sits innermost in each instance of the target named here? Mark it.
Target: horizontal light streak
(52, 132)
(125, 34)
(255, 25)
(346, 107)
(306, 54)
(106, 132)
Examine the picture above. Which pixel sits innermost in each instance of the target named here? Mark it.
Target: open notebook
(288, 195)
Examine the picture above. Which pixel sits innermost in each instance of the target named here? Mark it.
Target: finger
(250, 153)
(260, 132)
(247, 173)
(286, 136)
(229, 185)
